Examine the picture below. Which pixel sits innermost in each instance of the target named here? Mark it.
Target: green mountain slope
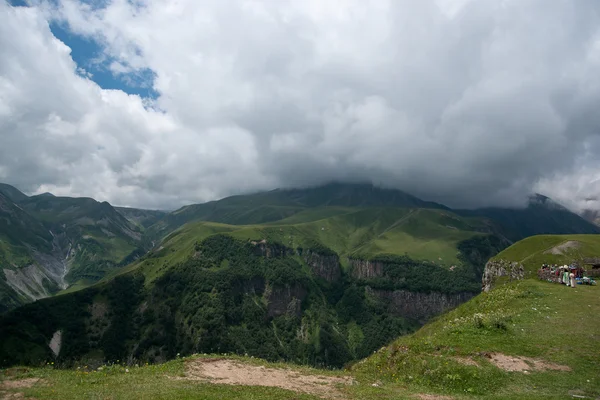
(431, 235)
(546, 333)
(272, 291)
(139, 217)
(534, 251)
(524, 340)
(48, 243)
(279, 204)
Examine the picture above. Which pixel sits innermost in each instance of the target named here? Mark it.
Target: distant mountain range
(49, 243)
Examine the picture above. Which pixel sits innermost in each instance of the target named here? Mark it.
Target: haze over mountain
(159, 105)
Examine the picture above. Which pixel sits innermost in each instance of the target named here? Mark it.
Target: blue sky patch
(93, 64)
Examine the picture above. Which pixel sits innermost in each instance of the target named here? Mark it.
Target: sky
(158, 104)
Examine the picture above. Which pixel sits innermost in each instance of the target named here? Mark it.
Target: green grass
(528, 318)
(424, 234)
(534, 251)
(147, 382)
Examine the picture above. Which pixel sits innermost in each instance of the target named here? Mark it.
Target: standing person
(559, 273)
(566, 277)
(572, 276)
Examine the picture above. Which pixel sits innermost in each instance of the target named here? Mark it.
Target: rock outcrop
(284, 300)
(268, 250)
(324, 266)
(496, 268)
(416, 305)
(366, 269)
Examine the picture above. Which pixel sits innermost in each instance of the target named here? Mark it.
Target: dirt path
(231, 372)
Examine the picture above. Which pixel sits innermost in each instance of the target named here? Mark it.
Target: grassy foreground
(449, 357)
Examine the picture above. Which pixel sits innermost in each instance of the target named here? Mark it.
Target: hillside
(541, 216)
(239, 290)
(139, 217)
(48, 243)
(422, 234)
(534, 251)
(90, 240)
(279, 204)
(525, 340)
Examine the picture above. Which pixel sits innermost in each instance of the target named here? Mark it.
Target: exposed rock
(365, 269)
(497, 268)
(323, 266)
(56, 342)
(285, 300)
(416, 305)
(269, 250)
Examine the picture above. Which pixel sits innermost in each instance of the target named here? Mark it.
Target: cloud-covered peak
(469, 103)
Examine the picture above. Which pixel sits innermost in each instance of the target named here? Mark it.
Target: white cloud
(466, 102)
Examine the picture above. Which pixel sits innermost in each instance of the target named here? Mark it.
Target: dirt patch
(231, 372)
(466, 361)
(19, 384)
(523, 364)
(563, 247)
(16, 384)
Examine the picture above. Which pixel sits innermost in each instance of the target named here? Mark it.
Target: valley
(319, 277)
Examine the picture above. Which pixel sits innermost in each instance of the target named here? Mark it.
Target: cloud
(466, 102)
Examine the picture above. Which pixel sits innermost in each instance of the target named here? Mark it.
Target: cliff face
(419, 306)
(497, 268)
(268, 250)
(365, 269)
(284, 300)
(323, 266)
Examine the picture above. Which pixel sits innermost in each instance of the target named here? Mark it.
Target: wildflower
(126, 370)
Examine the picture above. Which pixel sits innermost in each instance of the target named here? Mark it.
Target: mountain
(541, 216)
(139, 217)
(320, 276)
(48, 243)
(279, 204)
(12, 193)
(591, 215)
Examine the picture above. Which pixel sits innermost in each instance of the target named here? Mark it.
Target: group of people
(568, 275)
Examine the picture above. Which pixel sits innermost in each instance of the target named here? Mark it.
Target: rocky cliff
(284, 300)
(323, 266)
(496, 268)
(268, 250)
(415, 305)
(366, 269)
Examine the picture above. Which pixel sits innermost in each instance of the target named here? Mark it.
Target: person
(566, 277)
(573, 283)
(559, 275)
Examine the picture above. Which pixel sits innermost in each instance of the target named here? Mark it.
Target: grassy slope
(529, 318)
(534, 251)
(536, 319)
(424, 234)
